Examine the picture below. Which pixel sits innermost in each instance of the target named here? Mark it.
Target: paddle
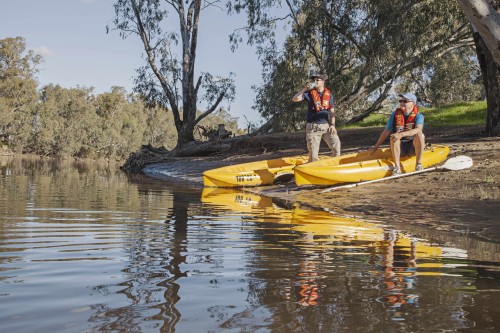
(455, 163)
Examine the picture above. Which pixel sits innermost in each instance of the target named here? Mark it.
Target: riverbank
(465, 202)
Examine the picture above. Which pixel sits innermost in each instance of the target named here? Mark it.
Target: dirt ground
(464, 204)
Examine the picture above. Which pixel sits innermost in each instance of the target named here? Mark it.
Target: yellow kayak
(362, 166)
(256, 173)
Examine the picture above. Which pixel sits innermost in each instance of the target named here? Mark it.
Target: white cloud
(43, 51)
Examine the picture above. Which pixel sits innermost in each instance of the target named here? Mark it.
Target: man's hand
(300, 95)
(396, 136)
(332, 129)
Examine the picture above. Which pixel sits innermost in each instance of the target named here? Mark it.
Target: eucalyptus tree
(121, 124)
(75, 122)
(18, 89)
(65, 123)
(160, 128)
(484, 16)
(455, 77)
(364, 46)
(168, 79)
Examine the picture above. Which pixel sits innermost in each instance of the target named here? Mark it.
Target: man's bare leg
(396, 152)
(419, 144)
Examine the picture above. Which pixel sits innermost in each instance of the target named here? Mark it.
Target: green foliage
(75, 122)
(364, 46)
(18, 85)
(455, 78)
(160, 128)
(274, 97)
(452, 78)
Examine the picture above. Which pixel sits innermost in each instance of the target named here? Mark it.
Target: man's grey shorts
(407, 148)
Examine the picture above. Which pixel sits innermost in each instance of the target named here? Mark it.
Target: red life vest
(321, 103)
(400, 125)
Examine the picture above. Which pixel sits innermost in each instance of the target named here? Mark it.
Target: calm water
(83, 248)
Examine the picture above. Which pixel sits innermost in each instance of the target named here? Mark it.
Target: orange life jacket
(321, 103)
(400, 125)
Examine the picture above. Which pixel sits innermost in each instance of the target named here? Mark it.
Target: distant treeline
(75, 122)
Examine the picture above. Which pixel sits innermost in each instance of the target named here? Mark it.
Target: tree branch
(212, 109)
(151, 60)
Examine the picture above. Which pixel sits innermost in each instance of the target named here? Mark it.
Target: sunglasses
(404, 101)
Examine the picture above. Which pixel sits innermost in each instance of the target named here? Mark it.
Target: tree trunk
(491, 77)
(485, 19)
(185, 134)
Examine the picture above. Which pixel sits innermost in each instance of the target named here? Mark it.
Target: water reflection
(399, 273)
(128, 253)
(345, 267)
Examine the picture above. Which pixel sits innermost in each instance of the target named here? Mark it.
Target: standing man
(405, 127)
(320, 116)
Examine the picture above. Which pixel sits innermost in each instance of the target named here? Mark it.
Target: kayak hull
(256, 173)
(362, 166)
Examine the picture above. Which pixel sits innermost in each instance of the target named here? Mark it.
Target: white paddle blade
(457, 163)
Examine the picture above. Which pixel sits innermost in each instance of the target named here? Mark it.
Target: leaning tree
(485, 20)
(168, 79)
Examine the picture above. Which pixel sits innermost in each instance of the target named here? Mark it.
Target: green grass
(460, 114)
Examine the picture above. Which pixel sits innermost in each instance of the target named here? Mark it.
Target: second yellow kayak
(363, 166)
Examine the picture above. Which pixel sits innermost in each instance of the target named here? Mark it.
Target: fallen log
(150, 155)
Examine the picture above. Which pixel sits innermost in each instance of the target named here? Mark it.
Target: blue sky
(71, 36)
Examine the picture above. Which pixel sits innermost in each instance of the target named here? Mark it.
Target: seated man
(405, 127)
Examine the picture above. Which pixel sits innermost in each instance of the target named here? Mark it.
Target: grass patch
(466, 113)
(479, 192)
(460, 114)
(489, 178)
(488, 193)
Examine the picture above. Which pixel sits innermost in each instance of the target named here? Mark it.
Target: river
(86, 248)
